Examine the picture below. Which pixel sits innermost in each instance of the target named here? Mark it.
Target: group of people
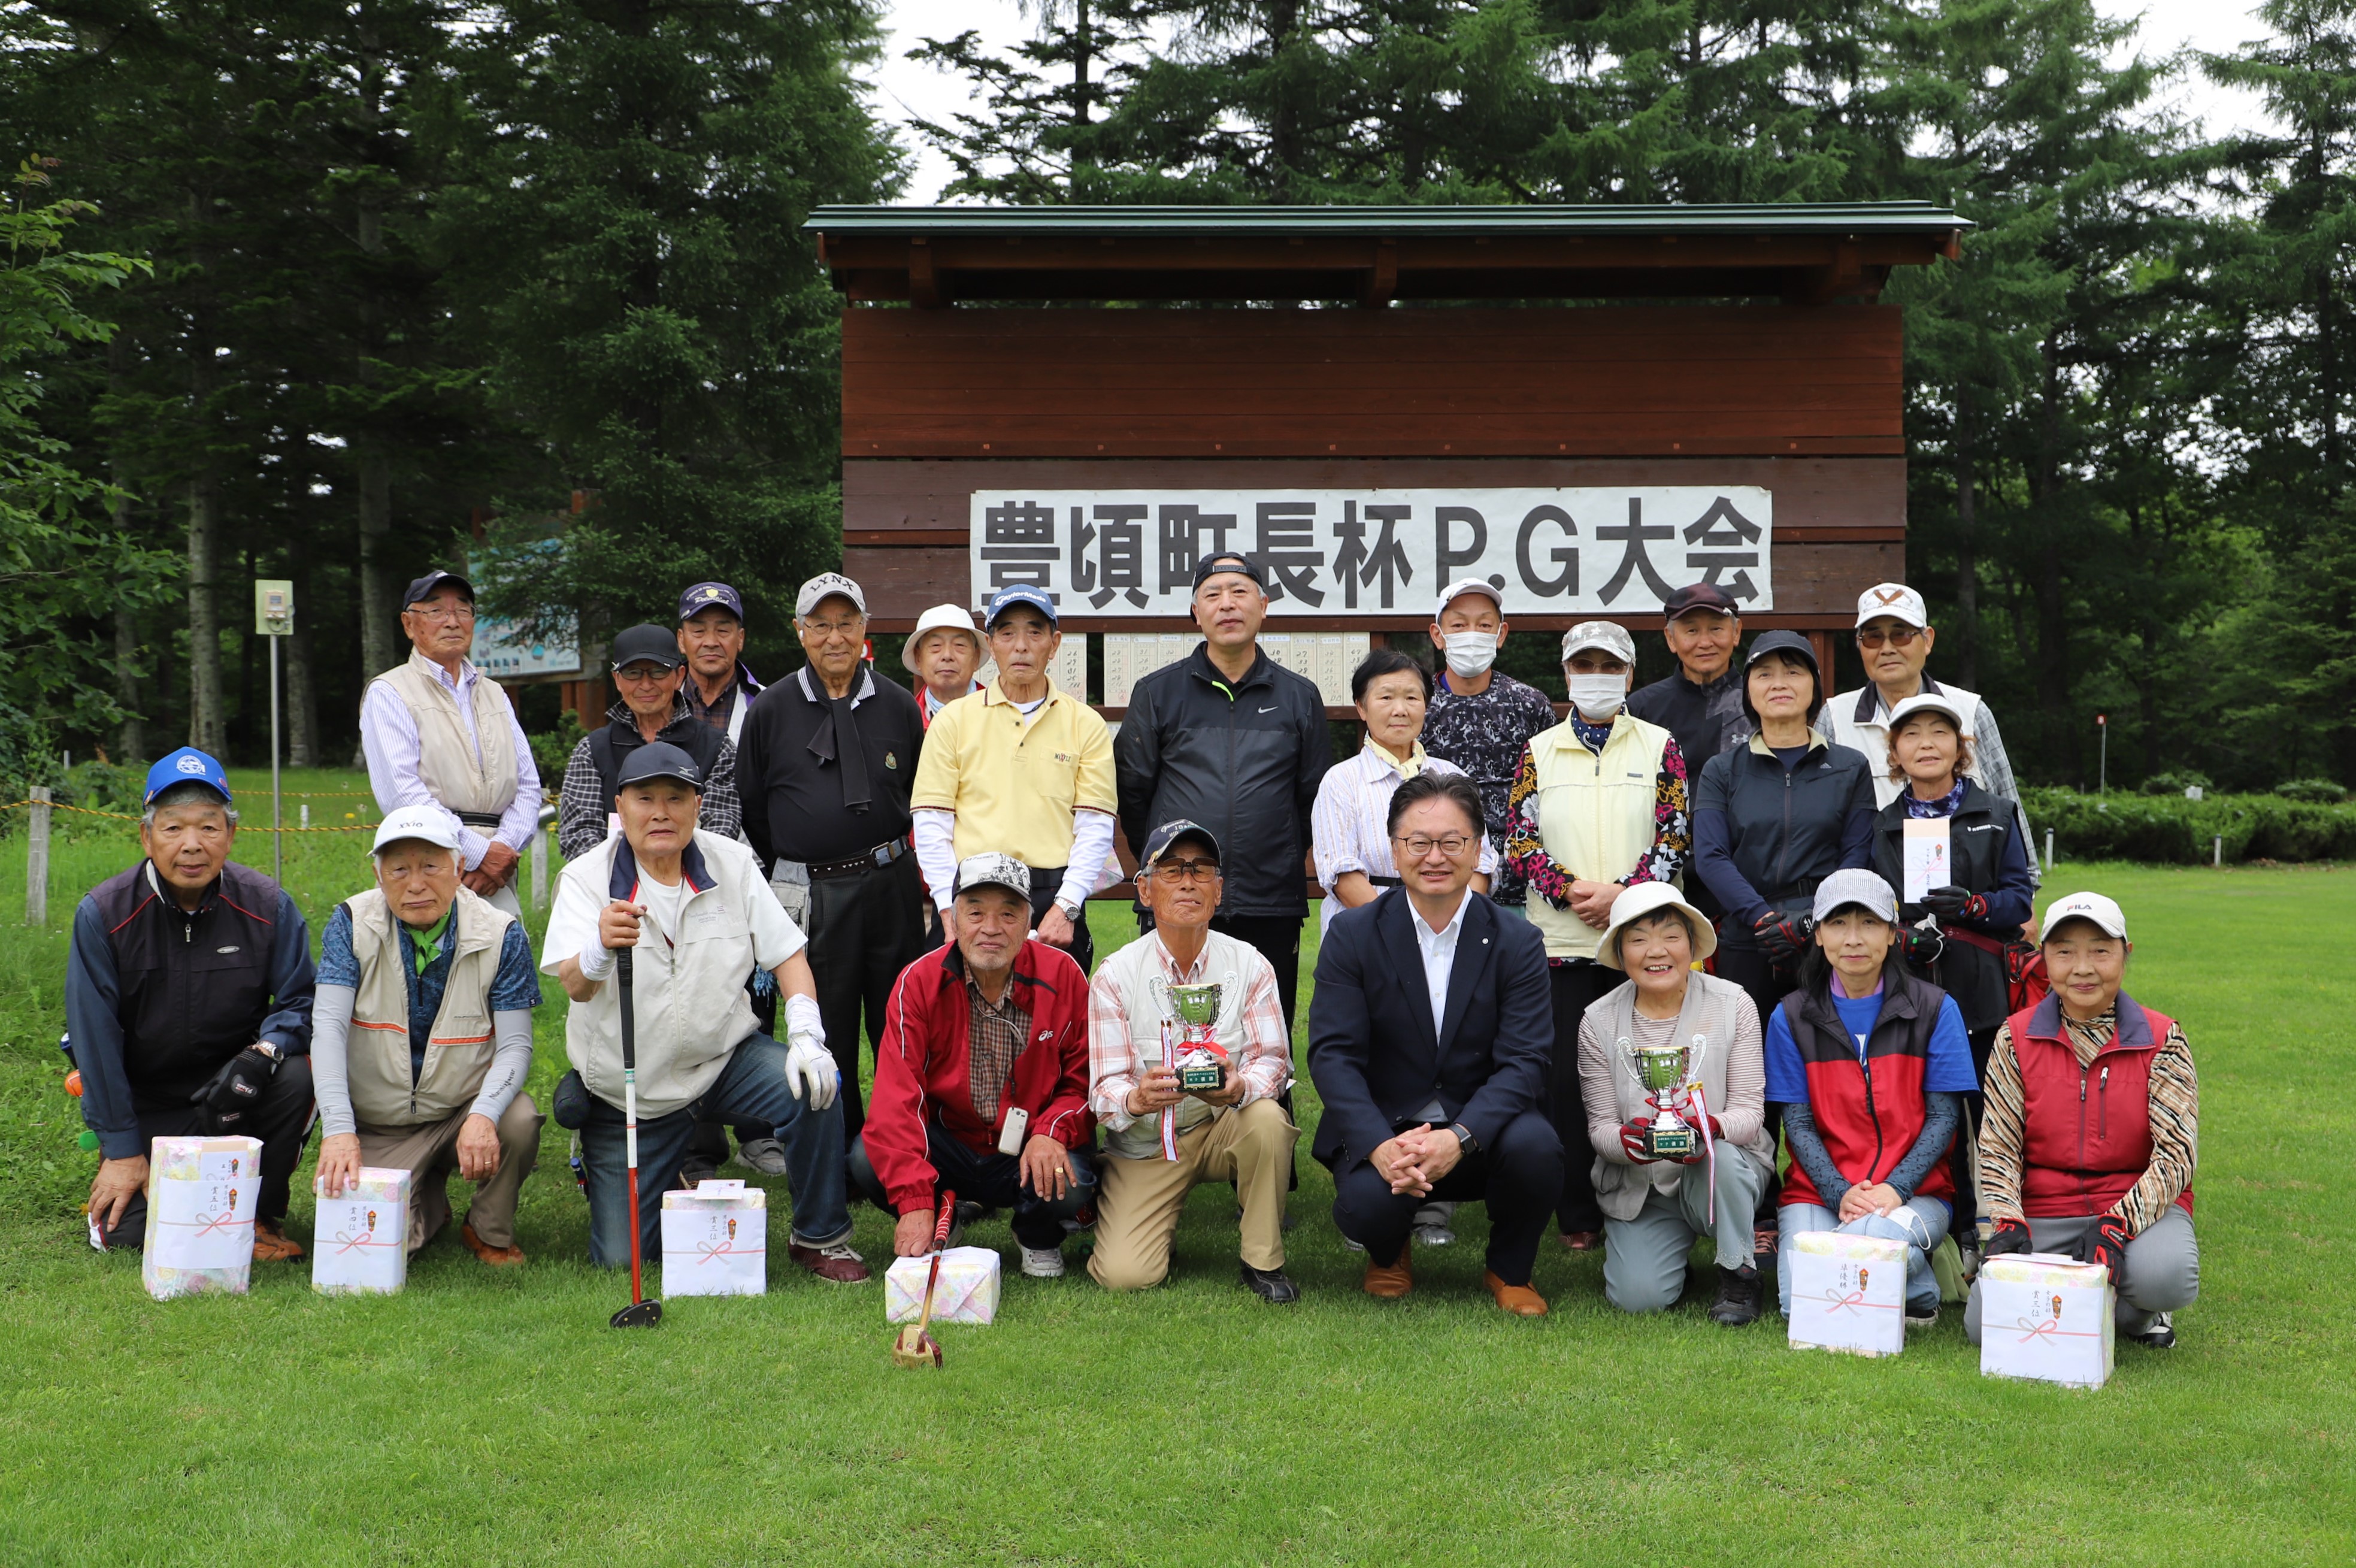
(1516, 906)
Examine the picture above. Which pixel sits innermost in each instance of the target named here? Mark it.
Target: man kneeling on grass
(696, 913)
(1163, 1141)
(189, 1008)
(422, 1037)
(981, 1076)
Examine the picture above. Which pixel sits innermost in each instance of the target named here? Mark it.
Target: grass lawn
(494, 1419)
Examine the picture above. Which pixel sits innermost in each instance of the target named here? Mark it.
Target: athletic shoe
(2161, 1335)
(1582, 1240)
(273, 1245)
(765, 1155)
(694, 1171)
(505, 1257)
(1434, 1236)
(1043, 1263)
(1272, 1286)
(1921, 1316)
(1431, 1225)
(837, 1262)
(1738, 1297)
(1349, 1245)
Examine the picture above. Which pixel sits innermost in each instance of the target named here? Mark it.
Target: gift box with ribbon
(716, 1241)
(1848, 1292)
(201, 1196)
(360, 1239)
(968, 1291)
(2048, 1318)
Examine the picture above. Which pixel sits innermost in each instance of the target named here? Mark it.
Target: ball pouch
(1010, 1137)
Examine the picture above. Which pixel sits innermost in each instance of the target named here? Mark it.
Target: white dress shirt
(1349, 827)
(1438, 949)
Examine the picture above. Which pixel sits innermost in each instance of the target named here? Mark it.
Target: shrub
(551, 749)
(2176, 831)
(2175, 783)
(2320, 791)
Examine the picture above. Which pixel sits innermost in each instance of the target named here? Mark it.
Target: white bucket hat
(1650, 899)
(940, 618)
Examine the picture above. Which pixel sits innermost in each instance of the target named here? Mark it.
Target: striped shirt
(1265, 1062)
(2175, 1122)
(1349, 825)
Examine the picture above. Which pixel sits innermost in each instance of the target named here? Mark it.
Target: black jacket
(1244, 763)
(1765, 836)
(1705, 720)
(789, 771)
(1372, 1055)
(1986, 857)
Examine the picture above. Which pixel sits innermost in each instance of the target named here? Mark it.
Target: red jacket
(922, 1067)
(2077, 1158)
(1868, 1113)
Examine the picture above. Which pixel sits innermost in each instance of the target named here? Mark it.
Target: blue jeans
(994, 1180)
(1932, 1218)
(750, 1087)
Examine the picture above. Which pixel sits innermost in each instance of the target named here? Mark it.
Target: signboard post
(274, 617)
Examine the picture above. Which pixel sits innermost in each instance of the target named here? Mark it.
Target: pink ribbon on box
(1852, 1301)
(209, 1223)
(364, 1239)
(707, 1251)
(2048, 1331)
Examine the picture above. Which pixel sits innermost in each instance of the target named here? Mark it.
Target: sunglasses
(1874, 636)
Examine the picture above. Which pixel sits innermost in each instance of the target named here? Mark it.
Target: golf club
(641, 1313)
(915, 1344)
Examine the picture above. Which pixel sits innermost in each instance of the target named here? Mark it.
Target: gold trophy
(1663, 1070)
(1195, 1050)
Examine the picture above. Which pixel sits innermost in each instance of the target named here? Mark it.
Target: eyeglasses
(1417, 846)
(1186, 870)
(640, 675)
(1874, 636)
(826, 628)
(461, 611)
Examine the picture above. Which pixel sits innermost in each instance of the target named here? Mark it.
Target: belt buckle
(881, 854)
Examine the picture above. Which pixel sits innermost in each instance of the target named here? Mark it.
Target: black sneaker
(1920, 1317)
(2161, 1335)
(1272, 1286)
(1738, 1297)
(695, 1170)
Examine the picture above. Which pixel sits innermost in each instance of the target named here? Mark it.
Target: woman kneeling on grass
(2093, 1116)
(1653, 1209)
(1870, 1066)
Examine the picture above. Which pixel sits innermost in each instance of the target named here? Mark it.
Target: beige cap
(1609, 637)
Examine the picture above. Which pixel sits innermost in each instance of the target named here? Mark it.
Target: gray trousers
(2163, 1270)
(1645, 1258)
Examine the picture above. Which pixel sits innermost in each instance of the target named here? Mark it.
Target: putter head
(639, 1314)
(915, 1347)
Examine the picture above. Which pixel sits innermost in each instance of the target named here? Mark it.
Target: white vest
(1872, 736)
(478, 775)
(687, 991)
(1131, 972)
(1595, 816)
(459, 1046)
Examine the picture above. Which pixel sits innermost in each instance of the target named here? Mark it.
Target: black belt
(882, 855)
(479, 819)
(1385, 881)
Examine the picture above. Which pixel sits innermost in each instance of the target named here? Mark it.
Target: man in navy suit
(1429, 1035)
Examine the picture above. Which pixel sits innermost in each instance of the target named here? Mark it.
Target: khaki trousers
(1138, 1201)
(429, 1152)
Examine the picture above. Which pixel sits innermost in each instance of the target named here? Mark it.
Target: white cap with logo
(828, 584)
(1929, 703)
(429, 823)
(2105, 913)
(993, 871)
(1458, 589)
(1604, 635)
(1894, 600)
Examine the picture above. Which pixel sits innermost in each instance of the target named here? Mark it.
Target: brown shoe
(1519, 1299)
(837, 1264)
(497, 1257)
(1388, 1282)
(271, 1244)
(1582, 1240)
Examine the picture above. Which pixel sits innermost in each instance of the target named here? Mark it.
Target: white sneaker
(765, 1155)
(1353, 1246)
(1432, 1224)
(1043, 1263)
(1433, 1236)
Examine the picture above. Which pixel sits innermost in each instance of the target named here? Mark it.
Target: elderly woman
(2092, 1120)
(1868, 1065)
(1654, 1207)
(1349, 832)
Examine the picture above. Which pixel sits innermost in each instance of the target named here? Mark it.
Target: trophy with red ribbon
(1201, 1062)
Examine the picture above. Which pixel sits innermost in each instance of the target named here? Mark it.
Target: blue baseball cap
(1030, 593)
(710, 595)
(186, 766)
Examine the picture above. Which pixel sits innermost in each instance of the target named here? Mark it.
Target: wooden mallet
(915, 1345)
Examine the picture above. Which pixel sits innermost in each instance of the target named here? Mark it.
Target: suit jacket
(1371, 1049)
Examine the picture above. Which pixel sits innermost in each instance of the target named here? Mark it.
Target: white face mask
(1598, 697)
(1470, 652)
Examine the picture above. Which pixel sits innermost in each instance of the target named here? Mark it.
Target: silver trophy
(1195, 1050)
(1665, 1071)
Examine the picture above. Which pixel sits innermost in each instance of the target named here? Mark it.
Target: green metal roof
(1846, 217)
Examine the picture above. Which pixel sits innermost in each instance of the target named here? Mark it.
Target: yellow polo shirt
(1014, 783)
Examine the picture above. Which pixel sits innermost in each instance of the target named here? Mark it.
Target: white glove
(809, 1064)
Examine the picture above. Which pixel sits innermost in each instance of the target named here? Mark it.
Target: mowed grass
(485, 1418)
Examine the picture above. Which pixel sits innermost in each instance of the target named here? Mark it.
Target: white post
(306, 810)
(277, 817)
(2217, 852)
(538, 868)
(36, 860)
(2049, 849)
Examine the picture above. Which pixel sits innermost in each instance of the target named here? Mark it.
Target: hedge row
(2172, 831)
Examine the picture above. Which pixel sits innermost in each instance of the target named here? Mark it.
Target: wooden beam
(924, 285)
(1377, 289)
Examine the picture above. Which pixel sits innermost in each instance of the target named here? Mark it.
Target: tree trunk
(302, 700)
(1968, 560)
(207, 723)
(130, 740)
(2052, 604)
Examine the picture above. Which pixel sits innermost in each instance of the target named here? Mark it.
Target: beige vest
(478, 775)
(1595, 816)
(459, 1048)
(1710, 1011)
(1131, 971)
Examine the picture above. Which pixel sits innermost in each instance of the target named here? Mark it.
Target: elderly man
(1021, 770)
(649, 672)
(720, 690)
(691, 906)
(1482, 718)
(439, 733)
(828, 756)
(1894, 638)
(943, 653)
(1229, 739)
(189, 1006)
(1163, 1141)
(981, 1083)
(422, 1038)
(1430, 1032)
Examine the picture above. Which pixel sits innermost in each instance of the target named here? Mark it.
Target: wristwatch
(1464, 1137)
(270, 1050)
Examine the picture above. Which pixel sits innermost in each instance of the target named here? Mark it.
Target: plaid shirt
(581, 805)
(1265, 1062)
(994, 1036)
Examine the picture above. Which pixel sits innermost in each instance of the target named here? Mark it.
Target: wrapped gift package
(968, 1291)
(201, 1196)
(1848, 1292)
(715, 1241)
(2048, 1318)
(360, 1242)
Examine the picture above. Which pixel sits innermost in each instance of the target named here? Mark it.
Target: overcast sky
(906, 89)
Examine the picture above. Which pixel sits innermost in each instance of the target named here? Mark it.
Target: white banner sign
(1597, 551)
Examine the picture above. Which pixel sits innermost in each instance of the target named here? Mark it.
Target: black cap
(1169, 835)
(708, 596)
(419, 587)
(1229, 561)
(1699, 597)
(1799, 647)
(660, 760)
(647, 644)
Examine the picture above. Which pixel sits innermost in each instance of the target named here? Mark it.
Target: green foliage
(2321, 791)
(2173, 831)
(2175, 783)
(553, 749)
